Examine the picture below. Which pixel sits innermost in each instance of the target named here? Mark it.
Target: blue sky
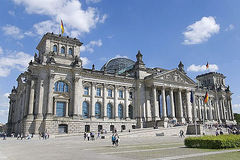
(166, 31)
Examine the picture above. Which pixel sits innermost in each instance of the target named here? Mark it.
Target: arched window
(62, 50)
(120, 111)
(109, 110)
(130, 112)
(61, 86)
(70, 51)
(97, 110)
(85, 109)
(54, 48)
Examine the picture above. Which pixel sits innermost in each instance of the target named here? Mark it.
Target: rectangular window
(130, 95)
(98, 91)
(60, 110)
(86, 90)
(120, 93)
(109, 93)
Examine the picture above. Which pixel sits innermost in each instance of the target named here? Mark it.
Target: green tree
(237, 117)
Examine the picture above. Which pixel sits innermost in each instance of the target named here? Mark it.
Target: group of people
(43, 135)
(220, 131)
(89, 135)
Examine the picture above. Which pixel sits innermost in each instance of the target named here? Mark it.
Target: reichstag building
(57, 95)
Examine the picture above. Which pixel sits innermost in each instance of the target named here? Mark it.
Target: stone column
(180, 118)
(155, 103)
(27, 98)
(210, 109)
(200, 108)
(50, 96)
(104, 101)
(194, 107)
(164, 108)
(223, 109)
(31, 99)
(66, 109)
(116, 102)
(231, 112)
(40, 99)
(76, 98)
(126, 102)
(93, 92)
(220, 109)
(172, 104)
(189, 108)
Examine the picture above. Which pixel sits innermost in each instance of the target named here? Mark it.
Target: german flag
(62, 27)
(207, 65)
(206, 98)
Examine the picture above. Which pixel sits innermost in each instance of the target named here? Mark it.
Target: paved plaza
(131, 147)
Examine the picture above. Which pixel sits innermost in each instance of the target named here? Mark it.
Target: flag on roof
(207, 65)
(206, 98)
(62, 27)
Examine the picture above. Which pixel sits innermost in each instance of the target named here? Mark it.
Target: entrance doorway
(62, 128)
(87, 128)
(112, 128)
(99, 128)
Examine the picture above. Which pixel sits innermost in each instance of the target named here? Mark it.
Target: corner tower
(58, 49)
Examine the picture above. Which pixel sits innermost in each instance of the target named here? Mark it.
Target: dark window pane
(60, 110)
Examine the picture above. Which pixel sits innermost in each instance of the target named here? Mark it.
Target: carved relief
(174, 77)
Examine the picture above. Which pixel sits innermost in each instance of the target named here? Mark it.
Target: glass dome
(118, 64)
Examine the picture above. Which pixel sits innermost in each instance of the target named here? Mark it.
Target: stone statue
(76, 62)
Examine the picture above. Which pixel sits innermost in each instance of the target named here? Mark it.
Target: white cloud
(13, 60)
(119, 56)
(236, 108)
(46, 26)
(76, 20)
(202, 68)
(12, 13)
(230, 27)
(92, 1)
(1, 50)
(200, 31)
(13, 31)
(85, 61)
(89, 47)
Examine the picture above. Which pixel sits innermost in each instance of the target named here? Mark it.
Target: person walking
(116, 139)
(85, 136)
(88, 136)
(113, 139)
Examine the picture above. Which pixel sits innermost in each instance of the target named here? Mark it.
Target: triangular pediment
(174, 76)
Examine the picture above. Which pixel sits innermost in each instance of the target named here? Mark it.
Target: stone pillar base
(30, 117)
(39, 116)
(49, 116)
(156, 118)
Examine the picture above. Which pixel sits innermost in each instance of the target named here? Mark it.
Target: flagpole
(204, 118)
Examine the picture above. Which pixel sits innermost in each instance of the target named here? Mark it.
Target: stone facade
(57, 95)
